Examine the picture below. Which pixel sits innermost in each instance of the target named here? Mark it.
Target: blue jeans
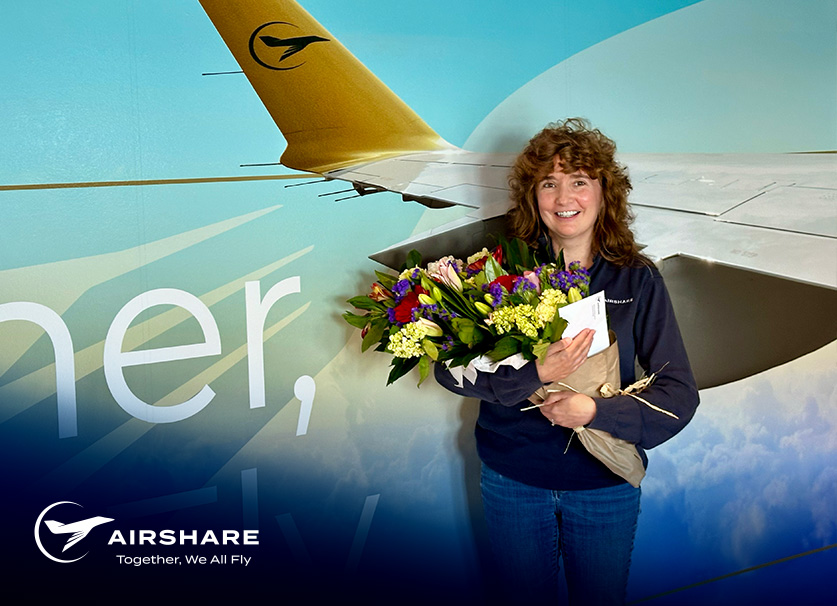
(530, 528)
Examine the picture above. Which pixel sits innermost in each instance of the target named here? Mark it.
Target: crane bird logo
(77, 530)
(273, 43)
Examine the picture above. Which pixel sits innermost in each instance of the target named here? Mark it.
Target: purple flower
(496, 291)
(521, 285)
(401, 288)
(427, 311)
(391, 316)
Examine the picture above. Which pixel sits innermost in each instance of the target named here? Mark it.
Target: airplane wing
(747, 243)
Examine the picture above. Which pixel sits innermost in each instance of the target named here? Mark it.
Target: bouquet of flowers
(496, 304)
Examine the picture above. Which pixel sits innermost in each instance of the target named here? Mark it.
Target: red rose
(506, 282)
(404, 310)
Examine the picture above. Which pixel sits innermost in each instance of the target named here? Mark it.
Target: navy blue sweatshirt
(524, 446)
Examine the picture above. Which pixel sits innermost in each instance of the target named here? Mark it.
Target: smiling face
(569, 204)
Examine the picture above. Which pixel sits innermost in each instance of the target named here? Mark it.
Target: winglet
(331, 109)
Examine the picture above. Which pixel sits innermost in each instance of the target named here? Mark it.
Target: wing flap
(703, 197)
(444, 178)
(807, 210)
(786, 254)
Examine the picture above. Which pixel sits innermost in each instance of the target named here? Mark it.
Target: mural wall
(142, 210)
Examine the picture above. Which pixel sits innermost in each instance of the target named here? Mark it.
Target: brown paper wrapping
(591, 375)
(619, 456)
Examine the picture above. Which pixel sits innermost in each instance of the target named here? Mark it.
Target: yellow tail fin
(331, 109)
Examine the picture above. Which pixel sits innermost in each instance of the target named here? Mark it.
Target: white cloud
(759, 461)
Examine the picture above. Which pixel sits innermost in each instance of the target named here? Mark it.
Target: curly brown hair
(578, 147)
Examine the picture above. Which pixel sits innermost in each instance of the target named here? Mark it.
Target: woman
(544, 495)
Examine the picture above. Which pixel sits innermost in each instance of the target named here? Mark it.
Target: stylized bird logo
(294, 44)
(79, 529)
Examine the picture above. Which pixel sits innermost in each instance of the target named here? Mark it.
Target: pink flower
(534, 279)
(445, 272)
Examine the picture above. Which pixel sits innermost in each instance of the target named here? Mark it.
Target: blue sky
(112, 90)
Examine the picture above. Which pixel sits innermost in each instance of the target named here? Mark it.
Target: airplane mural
(172, 354)
(727, 230)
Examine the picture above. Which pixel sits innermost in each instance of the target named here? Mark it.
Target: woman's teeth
(567, 213)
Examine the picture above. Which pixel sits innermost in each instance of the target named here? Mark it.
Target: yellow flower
(406, 343)
(407, 273)
(522, 317)
(551, 298)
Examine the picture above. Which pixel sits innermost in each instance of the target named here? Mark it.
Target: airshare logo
(64, 535)
(275, 42)
(77, 530)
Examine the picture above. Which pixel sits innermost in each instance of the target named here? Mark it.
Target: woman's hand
(565, 356)
(569, 409)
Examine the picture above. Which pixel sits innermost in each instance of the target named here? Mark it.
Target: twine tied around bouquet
(618, 455)
(608, 391)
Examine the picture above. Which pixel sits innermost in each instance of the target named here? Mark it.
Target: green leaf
(386, 280)
(466, 359)
(465, 329)
(375, 334)
(430, 348)
(493, 270)
(424, 369)
(413, 259)
(526, 258)
(356, 320)
(557, 326)
(517, 255)
(364, 302)
(505, 347)
(400, 367)
(530, 297)
(539, 349)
